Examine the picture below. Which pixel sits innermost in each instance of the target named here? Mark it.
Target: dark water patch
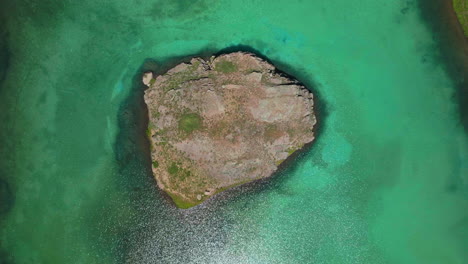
(4, 51)
(41, 13)
(194, 9)
(4, 58)
(407, 7)
(7, 200)
(6, 193)
(6, 197)
(42, 99)
(452, 46)
(5, 257)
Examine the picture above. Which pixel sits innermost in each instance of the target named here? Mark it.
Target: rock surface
(223, 122)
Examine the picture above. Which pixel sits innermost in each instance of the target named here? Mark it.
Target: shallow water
(385, 182)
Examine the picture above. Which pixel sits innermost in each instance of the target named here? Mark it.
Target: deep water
(386, 181)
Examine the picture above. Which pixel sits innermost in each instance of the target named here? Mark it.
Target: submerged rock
(221, 123)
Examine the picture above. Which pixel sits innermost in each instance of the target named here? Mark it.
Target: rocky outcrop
(219, 123)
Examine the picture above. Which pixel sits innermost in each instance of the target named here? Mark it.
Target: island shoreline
(161, 71)
(160, 68)
(442, 20)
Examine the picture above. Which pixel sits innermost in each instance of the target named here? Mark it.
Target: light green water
(385, 182)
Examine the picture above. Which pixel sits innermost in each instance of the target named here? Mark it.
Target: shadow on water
(133, 145)
(4, 57)
(452, 47)
(6, 194)
(6, 204)
(6, 197)
(4, 51)
(5, 258)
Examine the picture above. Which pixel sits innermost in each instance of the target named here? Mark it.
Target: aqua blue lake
(386, 181)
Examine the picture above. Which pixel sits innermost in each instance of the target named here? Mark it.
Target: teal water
(385, 182)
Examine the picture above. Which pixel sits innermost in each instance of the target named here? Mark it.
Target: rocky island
(222, 122)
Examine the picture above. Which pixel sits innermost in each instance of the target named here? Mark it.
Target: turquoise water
(385, 182)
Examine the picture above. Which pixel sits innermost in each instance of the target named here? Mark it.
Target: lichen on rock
(219, 123)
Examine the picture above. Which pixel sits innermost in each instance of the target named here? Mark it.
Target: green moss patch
(461, 8)
(279, 162)
(292, 150)
(225, 66)
(173, 168)
(155, 164)
(190, 122)
(179, 173)
(182, 203)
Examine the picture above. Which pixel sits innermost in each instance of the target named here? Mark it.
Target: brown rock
(224, 122)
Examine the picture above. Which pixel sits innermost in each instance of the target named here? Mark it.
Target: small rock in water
(147, 77)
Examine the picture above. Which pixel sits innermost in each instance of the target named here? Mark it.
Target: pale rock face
(213, 106)
(147, 77)
(224, 122)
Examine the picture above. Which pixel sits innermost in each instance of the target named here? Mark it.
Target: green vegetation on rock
(181, 203)
(190, 122)
(173, 169)
(225, 66)
(279, 162)
(461, 8)
(291, 151)
(155, 164)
